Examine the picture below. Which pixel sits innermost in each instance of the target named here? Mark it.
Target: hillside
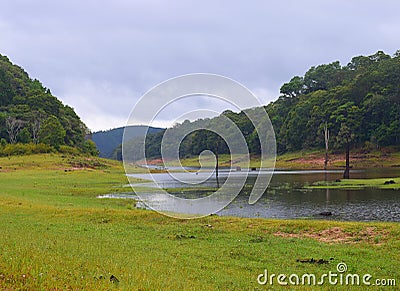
(359, 104)
(108, 141)
(29, 113)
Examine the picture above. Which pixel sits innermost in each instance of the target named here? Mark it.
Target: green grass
(55, 235)
(379, 183)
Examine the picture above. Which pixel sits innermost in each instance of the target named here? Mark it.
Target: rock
(325, 213)
(182, 236)
(114, 279)
(389, 182)
(313, 261)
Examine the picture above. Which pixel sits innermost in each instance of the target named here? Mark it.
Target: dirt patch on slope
(338, 235)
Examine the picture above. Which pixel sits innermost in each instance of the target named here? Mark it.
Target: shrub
(68, 150)
(40, 148)
(25, 149)
(89, 147)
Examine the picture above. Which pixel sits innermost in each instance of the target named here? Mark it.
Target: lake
(286, 197)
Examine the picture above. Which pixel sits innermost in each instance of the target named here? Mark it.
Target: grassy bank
(311, 159)
(359, 159)
(56, 235)
(379, 183)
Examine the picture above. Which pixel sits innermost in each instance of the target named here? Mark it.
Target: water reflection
(286, 196)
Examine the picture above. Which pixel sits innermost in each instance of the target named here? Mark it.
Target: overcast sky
(100, 57)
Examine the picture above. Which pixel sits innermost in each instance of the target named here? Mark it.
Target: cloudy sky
(101, 56)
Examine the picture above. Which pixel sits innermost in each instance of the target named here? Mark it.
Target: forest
(33, 120)
(357, 104)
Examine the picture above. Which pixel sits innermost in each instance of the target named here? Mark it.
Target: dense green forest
(31, 115)
(358, 104)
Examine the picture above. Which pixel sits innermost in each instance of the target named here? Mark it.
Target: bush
(89, 147)
(40, 148)
(25, 149)
(15, 149)
(64, 149)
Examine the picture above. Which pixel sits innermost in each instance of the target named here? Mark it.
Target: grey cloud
(130, 46)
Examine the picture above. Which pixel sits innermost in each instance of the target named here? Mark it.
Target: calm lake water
(287, 198)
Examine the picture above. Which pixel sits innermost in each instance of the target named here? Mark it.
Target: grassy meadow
(56, 235)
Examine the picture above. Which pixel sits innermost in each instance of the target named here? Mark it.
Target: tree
(345, 137)
(89, 147)
(24, 136)
(14, 126)
(379, 56)
(217, 145)
(294, 129)
(293, 88)
(349, 117)
(326, 138)
(35, 127)
(359, 63)
(52, 132)
(323, 77)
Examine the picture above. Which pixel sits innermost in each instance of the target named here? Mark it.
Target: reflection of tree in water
(327, 198)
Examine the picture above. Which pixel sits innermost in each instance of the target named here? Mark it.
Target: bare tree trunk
(35, 130)
(326, 135)
(217, 162)
(346, 174)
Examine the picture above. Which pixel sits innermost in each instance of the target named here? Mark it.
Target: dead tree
(217, 161)
(35, 127)
(326, 135)
(14, 126)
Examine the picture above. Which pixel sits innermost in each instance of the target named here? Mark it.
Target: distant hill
(108, 141)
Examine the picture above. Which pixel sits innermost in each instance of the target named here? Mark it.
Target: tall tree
(323, 77)
(326, 138)
(345, 137)
(348, 115)
(52, 132)
(35, 127)
(293, 88)
(14, 126)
